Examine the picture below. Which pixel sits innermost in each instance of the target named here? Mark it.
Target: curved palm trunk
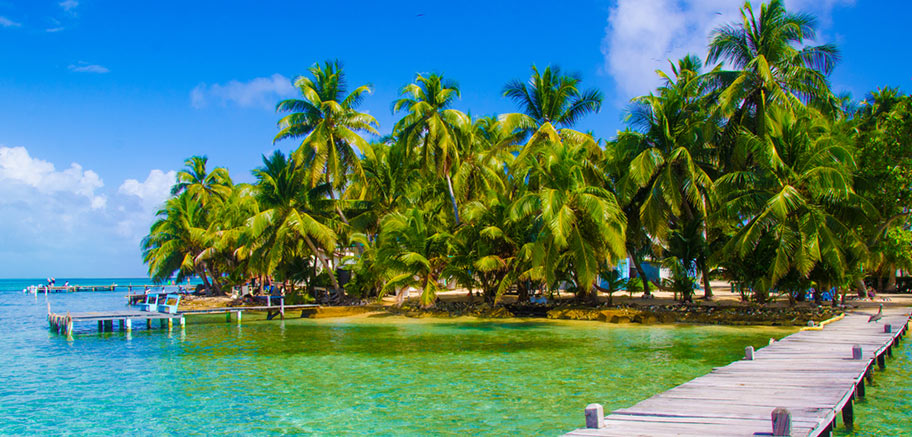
(641, 274)
(325, 262)
(453, 198)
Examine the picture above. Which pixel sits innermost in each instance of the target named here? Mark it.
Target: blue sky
(100, 101)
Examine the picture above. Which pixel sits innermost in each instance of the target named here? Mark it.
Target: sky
(101, 101)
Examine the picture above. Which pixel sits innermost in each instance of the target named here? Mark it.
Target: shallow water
(389, 376)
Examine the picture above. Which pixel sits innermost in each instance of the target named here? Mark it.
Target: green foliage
(758, 174)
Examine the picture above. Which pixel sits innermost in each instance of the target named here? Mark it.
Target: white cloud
(17, 167)
(261, 92)
(61, 221)
(643, 34)
(86, 68)
(6, 22)
(68, 5)
(153, 191)
(53, 29)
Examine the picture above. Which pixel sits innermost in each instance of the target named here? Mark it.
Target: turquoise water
(388, 376)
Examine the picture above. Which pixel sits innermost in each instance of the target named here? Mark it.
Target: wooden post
(227, 316)
(148, 323)
(888, 328)
(857, 353)
(749, 353)
(848, 413)
(109, 325)
(782, 422)
(595, 416)
(239, 313)
(268, 301)
(860, 389)
(282, 303)
(100, 326)
(882, 362)
(69, 327)
(170, 323)
(129, 323)
(890, 351)
(120, 324)
(869, 375)
(183, 322)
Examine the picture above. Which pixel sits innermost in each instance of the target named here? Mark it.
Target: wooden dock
(63, 323)
(798, 386)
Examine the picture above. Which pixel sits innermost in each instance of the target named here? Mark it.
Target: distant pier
(799, 386)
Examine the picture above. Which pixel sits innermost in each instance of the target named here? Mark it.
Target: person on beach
(871, 293)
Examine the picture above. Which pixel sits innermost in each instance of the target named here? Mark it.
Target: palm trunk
(325, 262)
(707, 288)
(891, 279)
(641, 274)
(453, 198)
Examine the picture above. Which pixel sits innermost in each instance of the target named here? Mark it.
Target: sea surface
(383, 375)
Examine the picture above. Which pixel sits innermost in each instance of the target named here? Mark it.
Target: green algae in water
(887, 407)
(388, 376)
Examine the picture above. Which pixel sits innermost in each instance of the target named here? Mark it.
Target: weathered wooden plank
(811, 374)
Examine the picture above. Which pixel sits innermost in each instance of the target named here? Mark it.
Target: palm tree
(794, 203)
(413, 249)
(775, 66)
(201, 184)
(676, 156)
(580, 225)
(430, 127)
(329, 122)
(285, 219)
(176, 239)
(550, 97)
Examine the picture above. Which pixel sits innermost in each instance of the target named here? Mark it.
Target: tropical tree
(580, 225)
(285, 218)
(774, 65)
(430, 127)
(413, 247)
(330, 124)
(550, 97)
(205, 186)
(176, 239)
(795, 204)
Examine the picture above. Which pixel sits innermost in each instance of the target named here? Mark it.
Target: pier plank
(810, 373)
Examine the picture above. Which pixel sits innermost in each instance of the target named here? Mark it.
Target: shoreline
(648, 312)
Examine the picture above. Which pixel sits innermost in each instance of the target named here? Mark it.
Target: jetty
(798, 386)
(163, 307)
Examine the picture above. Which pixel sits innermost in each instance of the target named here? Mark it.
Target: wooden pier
(63, 323)
(798, 386)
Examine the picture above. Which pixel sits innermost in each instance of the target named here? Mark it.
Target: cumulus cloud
(643, 34)
(84, 67)
(60, 221)
(153, 191)
(6, 22)
(17, 167)
(261, 92)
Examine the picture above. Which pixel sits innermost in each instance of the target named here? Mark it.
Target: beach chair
(169, 304)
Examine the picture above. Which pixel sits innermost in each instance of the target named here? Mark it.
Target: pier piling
(595, 416)
(782, 422)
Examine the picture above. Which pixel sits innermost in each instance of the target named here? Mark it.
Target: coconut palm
(671, 173)
(176, 239)
(430, 127)
(580, 225)
(205, 186)
(285, 218)
(774, 64)
(330, 124)
(793, 203)
(550, 97)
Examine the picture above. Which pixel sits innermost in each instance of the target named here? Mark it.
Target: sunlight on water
(386, 375)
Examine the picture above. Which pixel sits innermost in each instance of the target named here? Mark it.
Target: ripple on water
(391, 376)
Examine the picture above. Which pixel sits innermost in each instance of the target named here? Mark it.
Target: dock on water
(798, 386)
(63, 323)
